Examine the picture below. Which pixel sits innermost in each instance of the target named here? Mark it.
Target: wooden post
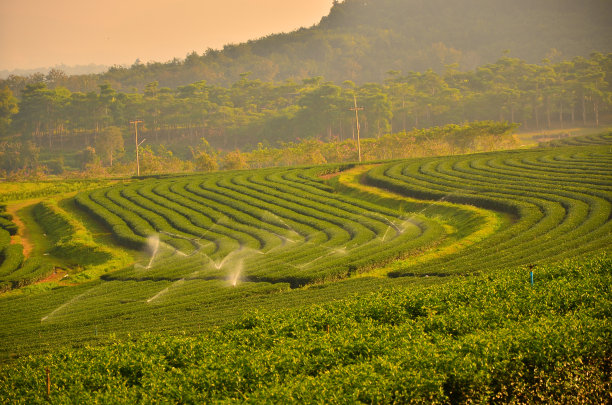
(135, 122)
(48, 383)
(357, 119)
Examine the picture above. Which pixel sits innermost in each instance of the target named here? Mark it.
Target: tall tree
(8, 108)
(109, 143)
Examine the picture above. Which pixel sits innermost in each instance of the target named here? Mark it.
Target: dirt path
(22, 233)
(57, 275)
(21, 236)
(330, 175)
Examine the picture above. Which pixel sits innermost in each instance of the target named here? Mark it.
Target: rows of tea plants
(560, 200)
(67, 237)
(13, 191)
(96, 311)
(586, 140)
(493, 338)
(268, 225)
(6, 222)
(218, 245)
(11, 255)
(213, 246)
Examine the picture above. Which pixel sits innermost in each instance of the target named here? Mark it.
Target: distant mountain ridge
(362, 40)
(91, 68)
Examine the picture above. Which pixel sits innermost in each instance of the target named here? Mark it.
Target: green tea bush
(11, 258)
(489, 338)
(5, 239)
(33, 269)
(95, 204)
(68, 239)
(8, 225)
(559, 199)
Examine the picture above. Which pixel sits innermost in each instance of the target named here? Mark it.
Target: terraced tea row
(213, 246)
(269, 226)
(586, 140)
(560, 198)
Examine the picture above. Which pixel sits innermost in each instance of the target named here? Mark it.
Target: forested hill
(361, 40)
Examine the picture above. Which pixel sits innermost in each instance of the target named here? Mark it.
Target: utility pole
(135, 122)
(356, 109)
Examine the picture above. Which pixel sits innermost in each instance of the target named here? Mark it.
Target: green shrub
(480, 339)
(11, 258)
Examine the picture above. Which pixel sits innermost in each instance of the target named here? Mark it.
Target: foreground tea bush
(490, 338)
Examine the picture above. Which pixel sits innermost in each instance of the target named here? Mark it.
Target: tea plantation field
(248, 260)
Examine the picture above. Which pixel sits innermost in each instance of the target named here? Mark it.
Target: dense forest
(251, 111)
(361, 40)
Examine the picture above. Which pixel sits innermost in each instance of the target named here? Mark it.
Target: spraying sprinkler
(234, 279)
(152, 245)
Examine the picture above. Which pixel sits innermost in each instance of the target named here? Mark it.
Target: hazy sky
(42, 33)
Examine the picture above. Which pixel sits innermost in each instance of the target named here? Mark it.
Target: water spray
(236, 275)
(220, 264)
(153, 245)
(386, 232)
(281, 221)
(64, 305)
(164, 291)
(441, 199)
(332, 251)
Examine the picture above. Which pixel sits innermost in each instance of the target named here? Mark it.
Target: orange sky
(44, 33)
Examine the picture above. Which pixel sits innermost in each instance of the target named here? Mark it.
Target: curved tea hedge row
(587, 140)
(561, 199)
(69, 240)
(6, 221)
(277, 225)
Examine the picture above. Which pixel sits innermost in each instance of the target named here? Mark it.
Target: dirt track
(21, 233)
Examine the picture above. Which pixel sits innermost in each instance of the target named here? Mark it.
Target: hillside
(443, 279)
(362, 40)
(274, 234)
(476, 340)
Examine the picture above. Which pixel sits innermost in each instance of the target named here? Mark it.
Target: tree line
(250, 111)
